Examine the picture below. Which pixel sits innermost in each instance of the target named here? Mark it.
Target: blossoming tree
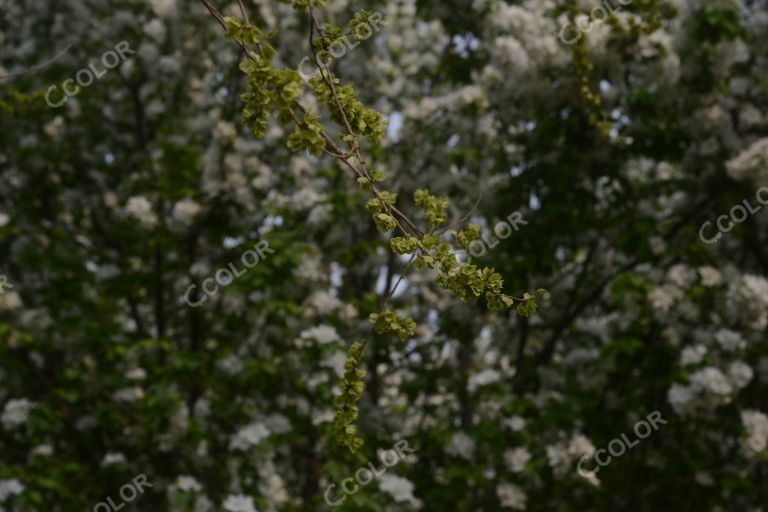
(416, 170)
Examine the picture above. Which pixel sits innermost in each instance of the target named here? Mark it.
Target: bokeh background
(616, 148)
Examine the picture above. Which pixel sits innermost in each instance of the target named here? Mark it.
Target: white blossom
(203, 504)
(580, 446)
(42, 450)
(185, 211)
(487, 376)
(730, 340)
(740, 374)
(680, 398)
(310, 268)
(136, 374)
(249, 436)
(401, 489)
(513, 53)
(164, 8)
(272, 486)
(693, 355)
(756, 425)
(231, 364)
(710, 276)
(558, 457)
(664, 297)
(323, 303)
(515, 423)
(750, 161)
(140, 208)
(239, 503)
(129, 394)
(10, 300)
(461, 445)
(748, 300)
(11, 487)
(681, 275)
(322, 334)
(113, 458)
(155, 29)
(516, 459)
(16, 413)
(711, 380)
(187, 483)
(511, 496)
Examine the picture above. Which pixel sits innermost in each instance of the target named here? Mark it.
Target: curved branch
(37, 68)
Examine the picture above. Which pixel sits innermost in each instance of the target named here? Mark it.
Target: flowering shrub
(370, 320)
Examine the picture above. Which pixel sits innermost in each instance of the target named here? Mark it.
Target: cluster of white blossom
(482, 103)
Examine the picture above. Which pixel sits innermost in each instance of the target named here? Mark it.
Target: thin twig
(38, 67)
(465, 217)
(215, 13)
(245, 13)
(391, 292)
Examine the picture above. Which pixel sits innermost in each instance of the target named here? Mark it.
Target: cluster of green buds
(389, 321)
(347, 110)
(267, 88)
(465, 280)
(270, 90)
(16, 102)
(648, 21)
(352, 387)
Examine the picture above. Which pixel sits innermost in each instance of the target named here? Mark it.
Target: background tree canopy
(188, 257)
